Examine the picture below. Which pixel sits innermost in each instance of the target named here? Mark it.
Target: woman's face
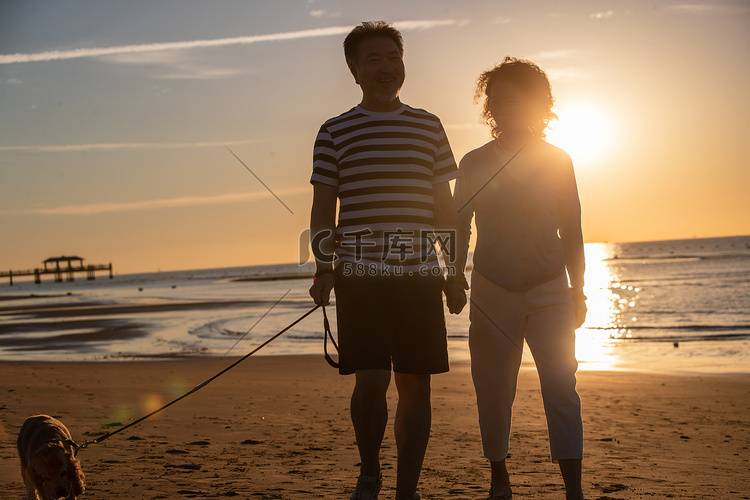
(511, 108)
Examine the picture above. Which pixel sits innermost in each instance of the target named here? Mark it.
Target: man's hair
(528, 77)
(366, 30)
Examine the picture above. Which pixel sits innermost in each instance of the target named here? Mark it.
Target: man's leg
(412, 429)
(369, 411)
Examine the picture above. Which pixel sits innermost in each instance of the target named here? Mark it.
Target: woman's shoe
(367, 488)
(508, 495)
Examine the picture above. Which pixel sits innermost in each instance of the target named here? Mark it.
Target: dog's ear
(77, 480)
(33, 474)
(37, 467)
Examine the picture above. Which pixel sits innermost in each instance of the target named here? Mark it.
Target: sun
(583, 131)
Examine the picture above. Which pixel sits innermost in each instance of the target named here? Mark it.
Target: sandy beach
(278, 427)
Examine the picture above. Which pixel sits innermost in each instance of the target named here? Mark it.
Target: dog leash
(327, 333)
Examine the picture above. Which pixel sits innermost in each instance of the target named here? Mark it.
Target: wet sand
(278, 427)
(79, 327)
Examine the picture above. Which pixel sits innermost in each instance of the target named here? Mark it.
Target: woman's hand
(579, 300)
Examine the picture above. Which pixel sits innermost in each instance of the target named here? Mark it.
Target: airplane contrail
(57, 55)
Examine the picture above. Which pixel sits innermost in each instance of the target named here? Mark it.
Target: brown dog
(48, 463)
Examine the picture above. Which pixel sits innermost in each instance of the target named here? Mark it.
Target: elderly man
(388, 166)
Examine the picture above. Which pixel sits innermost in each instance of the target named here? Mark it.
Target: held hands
(321, 288)
(455, 294)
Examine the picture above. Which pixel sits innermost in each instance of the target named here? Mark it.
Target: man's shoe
(367, 488)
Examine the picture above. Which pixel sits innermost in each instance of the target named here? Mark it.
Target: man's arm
(323, 240)
(446, 222)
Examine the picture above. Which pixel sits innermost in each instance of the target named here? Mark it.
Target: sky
(178, 134)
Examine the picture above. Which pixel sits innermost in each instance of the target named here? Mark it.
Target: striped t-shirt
(385, 166)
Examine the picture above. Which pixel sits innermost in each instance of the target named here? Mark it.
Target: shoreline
(527, 363)
(71, 328)
(278, 427)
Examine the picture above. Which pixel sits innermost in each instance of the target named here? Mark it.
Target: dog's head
(57, 470)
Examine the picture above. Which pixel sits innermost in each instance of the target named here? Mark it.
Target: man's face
(379, 70)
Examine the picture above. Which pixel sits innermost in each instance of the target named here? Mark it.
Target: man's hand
(455, 296)
(321, 288)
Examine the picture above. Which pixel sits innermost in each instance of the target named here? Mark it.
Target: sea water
(668, 305)
(682, 304)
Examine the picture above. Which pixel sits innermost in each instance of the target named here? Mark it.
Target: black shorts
(391, 322)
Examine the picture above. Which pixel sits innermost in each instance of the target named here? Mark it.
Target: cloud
(422, 25)
(179, 65)
(73, 148)
(134, 206)
(692, 8)
(567, 75)
(453, 127)
(555, 55)
(56, 55)
(200, 74)
(560, 73)
(602, 15)
(161, 57)
(501, 20)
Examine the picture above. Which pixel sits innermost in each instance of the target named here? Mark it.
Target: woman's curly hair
(527, 76)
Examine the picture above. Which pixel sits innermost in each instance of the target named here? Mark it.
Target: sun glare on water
(594, 348)
(581, 130)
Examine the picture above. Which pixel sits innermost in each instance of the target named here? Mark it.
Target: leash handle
(326, 335)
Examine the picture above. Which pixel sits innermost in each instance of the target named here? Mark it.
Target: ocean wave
(676, 258)
(676, 333)
(697, 328)
(684, 338)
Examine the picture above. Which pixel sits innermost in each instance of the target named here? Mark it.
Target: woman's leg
(500, 480)
(495, 343)
(571, 473)
(550, 333)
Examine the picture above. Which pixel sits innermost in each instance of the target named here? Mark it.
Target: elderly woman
(523, 193)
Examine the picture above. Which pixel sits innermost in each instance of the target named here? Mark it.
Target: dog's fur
(48, 463)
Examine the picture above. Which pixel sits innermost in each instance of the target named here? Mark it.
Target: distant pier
(64, 269)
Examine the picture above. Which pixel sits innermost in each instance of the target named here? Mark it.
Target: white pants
(500, 321)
